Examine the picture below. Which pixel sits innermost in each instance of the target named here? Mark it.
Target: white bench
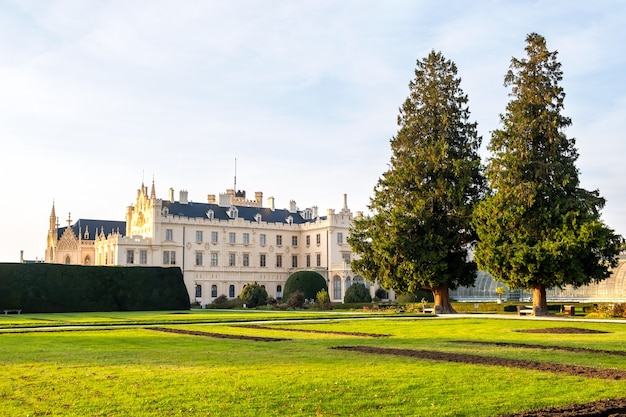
(522, 311)
(12, 311)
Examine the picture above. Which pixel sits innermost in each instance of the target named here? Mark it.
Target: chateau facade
(220, 245)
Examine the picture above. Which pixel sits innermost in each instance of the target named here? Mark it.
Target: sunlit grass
(141, 372)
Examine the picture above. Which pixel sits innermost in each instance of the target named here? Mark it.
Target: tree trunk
(540, 303)
(442, 300)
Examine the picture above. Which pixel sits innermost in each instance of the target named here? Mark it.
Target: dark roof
(95, 227)
(199, 210)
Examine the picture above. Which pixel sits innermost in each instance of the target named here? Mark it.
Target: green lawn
(124, 371)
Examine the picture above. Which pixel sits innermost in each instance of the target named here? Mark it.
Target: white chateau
(220, 245)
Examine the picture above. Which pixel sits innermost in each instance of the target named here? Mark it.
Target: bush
(309, 283)
(296, 300)
(381, 294)
(357, 293)
(253, 295)
(222, 299)
(55, 288)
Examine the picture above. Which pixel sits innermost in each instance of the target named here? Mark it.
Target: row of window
(232, 238)
(232, 259)
(337, 290)
(231, 291)
(169, 258)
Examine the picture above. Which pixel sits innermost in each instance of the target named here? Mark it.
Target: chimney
(258, 197)
(292, 206)
(315, 215)
(171, 195)
(211, 198)
(183, 197)
(270, 203)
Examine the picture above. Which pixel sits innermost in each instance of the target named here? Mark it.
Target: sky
(296, 99)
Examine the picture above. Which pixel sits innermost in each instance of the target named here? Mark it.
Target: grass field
(124, 368)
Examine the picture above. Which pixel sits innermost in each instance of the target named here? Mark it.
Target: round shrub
(357, 293)
(309, 283)
(253, 295)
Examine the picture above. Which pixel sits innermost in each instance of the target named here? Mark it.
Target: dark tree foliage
(538, 229)
(309, 283)
(419, 233)
(357, 293)
(253, 295)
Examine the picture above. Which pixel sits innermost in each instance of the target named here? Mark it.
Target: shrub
(357, 293)
(296, 300)
(381, 294)
(253, 295)
(309, 283)
(222, 299)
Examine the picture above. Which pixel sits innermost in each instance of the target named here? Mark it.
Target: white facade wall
(218, 257)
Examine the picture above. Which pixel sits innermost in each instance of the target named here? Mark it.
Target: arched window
(231, 291)
(198, 291)
(279, 291)
(214, 290)
(87, 260)
(348, 283)
(336, 288)
(68, 260)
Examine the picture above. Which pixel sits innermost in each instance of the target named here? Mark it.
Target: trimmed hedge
(55, 288)
(308, 283)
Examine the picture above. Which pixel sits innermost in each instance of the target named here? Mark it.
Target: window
(231, 291)
(169, 257)
(318, 239)
(294, 240)
(318, 259)
(279, 240)
(340, 238)
(198, 258)
(279, 261)
(246, 238)
(308, 261)
(214, 259)
(246, 259)
(348, 283)
(169, 234)
(262, 239)
(262, 260)
(69, 261)
(337, 288)
(143, 257)
(294, 261)
(198, 236)
(213, 290)
(231, 259)
(198, 290)
(130, 256)
(213, 237)
(231, 237)
(346, 258)
(308, 240)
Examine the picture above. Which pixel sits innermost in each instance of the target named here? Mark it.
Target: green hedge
(54, 288)
(308, 283)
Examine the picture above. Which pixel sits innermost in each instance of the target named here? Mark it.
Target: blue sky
(96, 96)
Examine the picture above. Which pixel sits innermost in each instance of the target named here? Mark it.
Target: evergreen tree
(538, 229)
(419, 233)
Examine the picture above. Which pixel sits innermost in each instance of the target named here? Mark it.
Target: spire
(53, 217)
(153, 190)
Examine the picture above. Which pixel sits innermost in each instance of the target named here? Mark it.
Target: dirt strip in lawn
(577, 370)
(218, 335)
(544, 347)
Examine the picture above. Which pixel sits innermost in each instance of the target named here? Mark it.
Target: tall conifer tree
(419, 233)
(538, 229)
